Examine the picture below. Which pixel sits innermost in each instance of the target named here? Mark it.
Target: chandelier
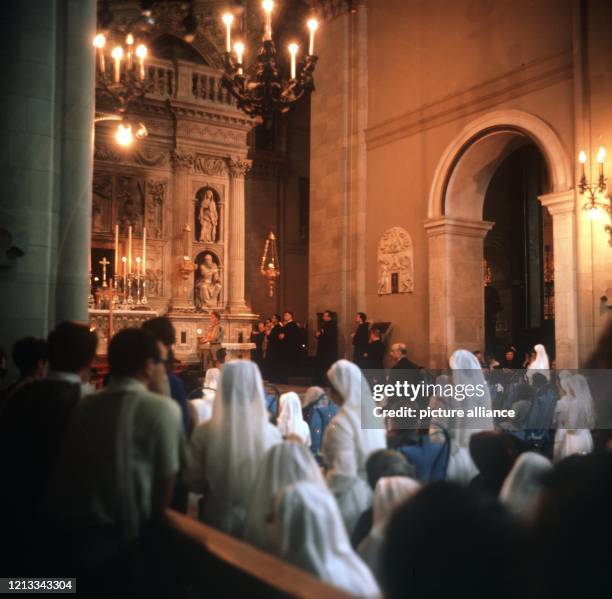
(260, 91)
(598, 199)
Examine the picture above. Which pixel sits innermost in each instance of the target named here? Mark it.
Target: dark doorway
(518, 257)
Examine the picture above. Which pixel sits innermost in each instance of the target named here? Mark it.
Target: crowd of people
(436, 509)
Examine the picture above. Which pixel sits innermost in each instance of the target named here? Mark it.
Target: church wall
(515, 64)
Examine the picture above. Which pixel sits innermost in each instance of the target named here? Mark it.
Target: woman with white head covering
(466, 371)
(522, 488)
(540, 364)
(346, 445)
(204, 405)
(290, 419)
(311, 536)
(574, 418)
(390, 492)
(283, 465)
(226, 451)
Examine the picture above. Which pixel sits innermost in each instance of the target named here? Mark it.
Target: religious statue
(208, 284)
(208, 217)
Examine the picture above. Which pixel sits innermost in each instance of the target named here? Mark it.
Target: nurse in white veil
(346, 445)
(283, 465)
(574, 418)
(204, 405)
(390, 492)
(466, 371)
(312, 537)
(522, 488)
(540, 364)
(290, 419)
(225, 452)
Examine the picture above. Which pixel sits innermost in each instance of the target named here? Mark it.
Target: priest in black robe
(290, 347)
(327, 347)
(360, 340)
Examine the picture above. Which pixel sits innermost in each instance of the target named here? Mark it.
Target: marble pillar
(46, 133)
(238, 168)
(456, 297)
(562, 207)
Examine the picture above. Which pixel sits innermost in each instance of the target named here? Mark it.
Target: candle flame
(99, 40)
(228, 18)
(141, 51)
(117, 52)
(582, 156)
(601, 154)
(268, 6)
(312, 24)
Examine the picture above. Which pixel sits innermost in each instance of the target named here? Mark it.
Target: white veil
(204, 404)
(522, 488)
(390, 492)
(283, 465)
(290, 420)
(581, 410)
(312, 537)
(541, 363)
(237, 437)
(346, 379)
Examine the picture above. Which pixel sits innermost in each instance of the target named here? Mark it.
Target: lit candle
(130, 249)
(141, 53)
(582, 160)
(129, 40)
(293, 48)
(312, 25)
(601, 156)
(228, 19)
(268, 6)
(138, 266)
(144, 250)
(116, 270)
(239, 49)
(99, 42)
(117, 55)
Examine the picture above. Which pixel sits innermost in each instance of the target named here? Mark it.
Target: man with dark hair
(30, 357)
(290, 338)
(327, 346)
(120, 454)
(33, 422)
(163, 330)
(360, 339)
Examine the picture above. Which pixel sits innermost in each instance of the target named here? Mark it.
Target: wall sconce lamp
(596, 191)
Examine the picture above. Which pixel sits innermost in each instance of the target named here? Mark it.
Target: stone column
(46, 133)
(235, 265)
(456, 298)
(562, 207)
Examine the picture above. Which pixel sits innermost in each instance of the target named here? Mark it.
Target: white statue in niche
(207, 283)
(395, 262)
(208, 217)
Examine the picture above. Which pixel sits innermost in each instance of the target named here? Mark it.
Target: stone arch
(456, 230)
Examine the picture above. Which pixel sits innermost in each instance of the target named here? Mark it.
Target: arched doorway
(456, 230)
(518, 256)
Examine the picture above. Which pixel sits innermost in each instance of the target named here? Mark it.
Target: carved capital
(238, 167)
(182, 161)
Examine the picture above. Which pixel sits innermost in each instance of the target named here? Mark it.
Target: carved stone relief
(156, 196)
(395, 262)
(130, 196)
(102, 203)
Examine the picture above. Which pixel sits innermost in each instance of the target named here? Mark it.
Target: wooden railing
(219, 565)
(182, 80)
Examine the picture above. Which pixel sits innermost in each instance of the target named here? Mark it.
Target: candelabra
(596, 191)
(261, 91)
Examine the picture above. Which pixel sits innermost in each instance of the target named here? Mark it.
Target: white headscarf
(291, 421)
(204, 404)
(312, 537)
(466, 371)
(522, 488)
(344, 432)
(238, 435)
(283, 465)
(541, 363)
(390, 492)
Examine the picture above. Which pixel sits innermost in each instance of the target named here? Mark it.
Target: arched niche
(207, 216)
(207, 281)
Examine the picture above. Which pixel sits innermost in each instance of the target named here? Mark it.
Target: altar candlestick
(239, 49)
(228, 19)
(116, 271)
(144, 251)
(130, 250)
(124, 260)
(601, 156)
(312, 25)
(293, 48)
(141, 53)
(99, 42)
(137, 279)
